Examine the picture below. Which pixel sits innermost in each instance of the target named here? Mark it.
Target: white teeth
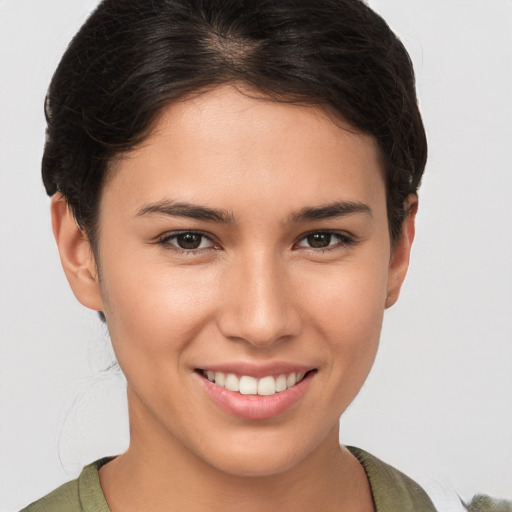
(231, 382)
(291, 380)
(220, 379)
(266, 386)
(281, 383)
(247, 385)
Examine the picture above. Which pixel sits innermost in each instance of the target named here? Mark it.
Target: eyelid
(165, 240)
(344, 239)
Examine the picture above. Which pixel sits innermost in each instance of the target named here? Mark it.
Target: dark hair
(131, 58)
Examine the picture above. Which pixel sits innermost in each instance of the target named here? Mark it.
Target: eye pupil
(319, 240)
(189, 240)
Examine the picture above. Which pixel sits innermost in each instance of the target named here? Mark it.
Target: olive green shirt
(392, 491)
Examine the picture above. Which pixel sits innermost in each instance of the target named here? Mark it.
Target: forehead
(232, 147)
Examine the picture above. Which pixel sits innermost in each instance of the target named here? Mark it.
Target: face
(245, 245)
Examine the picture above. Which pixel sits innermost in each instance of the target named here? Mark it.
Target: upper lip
(257, 370)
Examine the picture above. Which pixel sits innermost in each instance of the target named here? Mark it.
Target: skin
(255, 291)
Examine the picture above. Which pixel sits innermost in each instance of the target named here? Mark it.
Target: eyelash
(343, 241)
(165, 241)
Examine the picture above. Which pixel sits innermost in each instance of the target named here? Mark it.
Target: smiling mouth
(247, 385)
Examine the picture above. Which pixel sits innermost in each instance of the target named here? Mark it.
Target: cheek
(346, 309)
(155, 309)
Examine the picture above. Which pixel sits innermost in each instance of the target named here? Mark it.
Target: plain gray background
(438, 404)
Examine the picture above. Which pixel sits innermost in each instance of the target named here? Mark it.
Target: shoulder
(392, 490)
(64, 498)
(80, 495)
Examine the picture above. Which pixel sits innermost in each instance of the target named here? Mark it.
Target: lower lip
(256, 407)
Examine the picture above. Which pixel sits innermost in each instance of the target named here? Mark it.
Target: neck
(159, 473)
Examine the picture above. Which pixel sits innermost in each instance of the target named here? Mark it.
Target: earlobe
(399, 262)
(76, 255)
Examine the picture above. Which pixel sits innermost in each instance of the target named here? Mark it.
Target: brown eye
(186, 241)
(189, 240)
(325, 240)
(319, 240)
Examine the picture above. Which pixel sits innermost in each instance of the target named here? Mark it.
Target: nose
(259, 304)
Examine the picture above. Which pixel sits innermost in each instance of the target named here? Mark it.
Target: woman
(234, 190)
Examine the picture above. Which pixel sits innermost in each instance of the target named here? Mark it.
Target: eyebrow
(330, 211)
(309, 213)
(191, 211)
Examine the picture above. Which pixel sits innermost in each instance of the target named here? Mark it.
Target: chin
(257, 454)
(257, 463)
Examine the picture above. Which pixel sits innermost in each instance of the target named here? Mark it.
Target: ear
(399, 262)
(76, 255)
